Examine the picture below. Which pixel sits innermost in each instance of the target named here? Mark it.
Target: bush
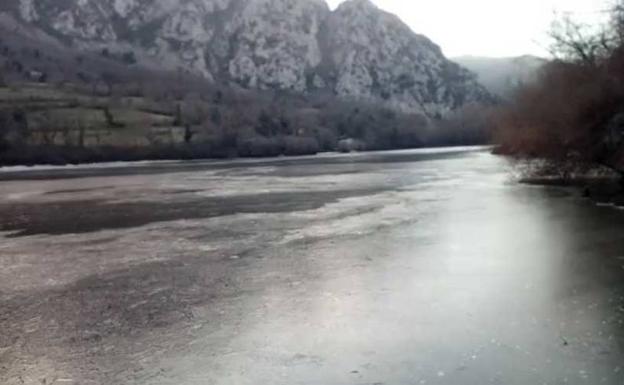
(564, 115)
(294, 145)
(259, 146)
(326, 139)
(129, 58)
(4, 144)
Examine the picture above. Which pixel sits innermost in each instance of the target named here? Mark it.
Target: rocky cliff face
(357, 51)
(377, 57)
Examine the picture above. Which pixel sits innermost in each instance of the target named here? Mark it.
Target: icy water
(420, 267)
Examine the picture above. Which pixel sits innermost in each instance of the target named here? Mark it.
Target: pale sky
(488, 27)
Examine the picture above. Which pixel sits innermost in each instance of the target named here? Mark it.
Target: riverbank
(131, 158)
(45, 172)
(601, 190)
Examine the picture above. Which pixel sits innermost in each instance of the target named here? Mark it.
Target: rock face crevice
(356, 51)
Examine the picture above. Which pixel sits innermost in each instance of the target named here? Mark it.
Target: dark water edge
(600, 190)
(176, 166)
(68, 155)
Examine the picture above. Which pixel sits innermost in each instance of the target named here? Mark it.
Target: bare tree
(575, 41)
(617, 21)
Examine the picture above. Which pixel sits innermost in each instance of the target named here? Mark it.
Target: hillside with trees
(59, 105)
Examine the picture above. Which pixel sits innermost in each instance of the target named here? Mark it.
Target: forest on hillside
(61, 106)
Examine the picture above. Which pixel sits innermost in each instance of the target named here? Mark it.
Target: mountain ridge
(503, 75)
(356, 51)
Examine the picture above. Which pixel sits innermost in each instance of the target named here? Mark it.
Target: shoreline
(604, 191)
(166, 167)
(7, 169)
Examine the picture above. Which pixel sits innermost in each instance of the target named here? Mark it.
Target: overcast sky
(488, 27)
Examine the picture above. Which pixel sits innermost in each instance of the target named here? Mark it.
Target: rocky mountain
(502, 75)
(357, 51)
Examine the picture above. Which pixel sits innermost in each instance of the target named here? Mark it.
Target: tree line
(572, 115)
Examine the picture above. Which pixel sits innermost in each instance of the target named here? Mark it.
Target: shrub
(564, 115)
(129, 58)
(326, 139)
(258, 146)
(294, 145)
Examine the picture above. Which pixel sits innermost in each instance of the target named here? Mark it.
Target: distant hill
(502, 75)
